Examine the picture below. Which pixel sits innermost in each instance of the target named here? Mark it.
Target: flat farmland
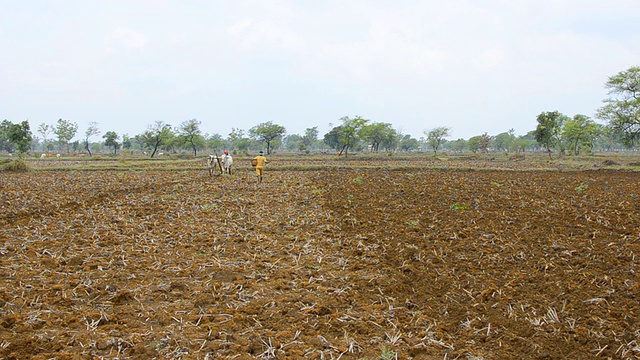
(357, 259)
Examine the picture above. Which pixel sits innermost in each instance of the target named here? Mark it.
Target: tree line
(555, 132)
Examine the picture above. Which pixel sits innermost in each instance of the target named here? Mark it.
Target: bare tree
(92, 130)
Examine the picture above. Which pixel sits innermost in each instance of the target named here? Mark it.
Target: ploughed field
(340, 263)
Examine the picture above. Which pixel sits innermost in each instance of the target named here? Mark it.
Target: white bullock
(213, 163)
(227, 161)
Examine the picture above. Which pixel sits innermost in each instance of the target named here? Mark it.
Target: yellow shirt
(261, 161)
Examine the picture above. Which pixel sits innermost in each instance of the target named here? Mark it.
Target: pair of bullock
(223, 163)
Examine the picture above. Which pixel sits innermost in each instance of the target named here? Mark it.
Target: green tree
(139, 143)
(310, 137)
(239, 140)
(126, 142)
(5, 143)
(622, 109)
(436, 136)
(459, 145)
(379, 134)
(610, 138)
(215, 142)
(527, 141)
(348, 133)
(504, 141)
(479, 143)
(191, 135)
(91, 131)
(390, 142)
(580, 132)
(474, 143)
(111, 139)
(293, 142)
(334, 138)
(157, 134)
(267, 133)
(549, 129)
(407, 143)
(65, 130)
(20, 136)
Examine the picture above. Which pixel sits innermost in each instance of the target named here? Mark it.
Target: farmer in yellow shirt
(260, 161)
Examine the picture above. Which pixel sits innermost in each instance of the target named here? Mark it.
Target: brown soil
(342, 263)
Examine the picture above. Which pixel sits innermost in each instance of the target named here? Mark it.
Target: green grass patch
(15, 165)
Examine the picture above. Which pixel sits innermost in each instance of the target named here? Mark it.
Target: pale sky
(473, 65)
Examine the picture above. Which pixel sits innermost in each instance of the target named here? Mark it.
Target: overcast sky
(473, 65)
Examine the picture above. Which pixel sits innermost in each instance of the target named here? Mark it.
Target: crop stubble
(319, 264)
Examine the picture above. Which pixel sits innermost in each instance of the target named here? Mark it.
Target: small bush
(457, 206)
(581, 188)
(387, 354)
(412, 222)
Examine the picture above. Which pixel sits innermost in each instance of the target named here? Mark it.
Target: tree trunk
(86, 146)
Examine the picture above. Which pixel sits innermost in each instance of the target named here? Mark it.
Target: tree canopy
(65, 130)
(215, 142)
(379, 134)
(267, 133)
(156, 135)
(505, 141)
(16, 136)
(549, 128)
(191, 135)
(342, 137)
(310, 137)
(436, 136)
(5, 143)
(622, 108)
(239, 140)
(580, 132)
(111, 140)
(407, 143)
